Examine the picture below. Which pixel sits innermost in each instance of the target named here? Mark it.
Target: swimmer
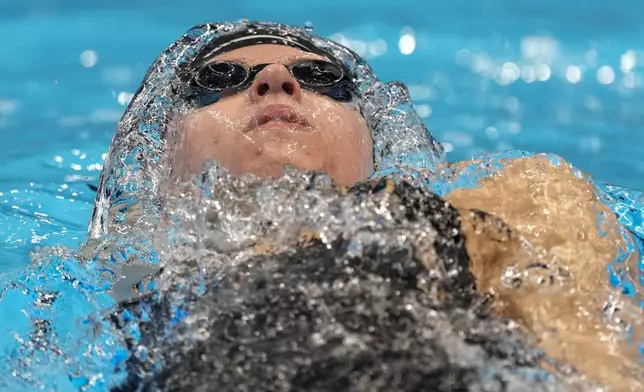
(259, 101)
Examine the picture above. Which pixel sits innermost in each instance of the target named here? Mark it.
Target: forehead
(267, 53)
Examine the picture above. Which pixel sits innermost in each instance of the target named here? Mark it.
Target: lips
(278, 115)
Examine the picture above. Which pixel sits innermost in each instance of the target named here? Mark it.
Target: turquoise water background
(547, 76)
(487, 75)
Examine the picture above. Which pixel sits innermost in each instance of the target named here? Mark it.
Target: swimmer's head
(171, 126)
(258, 102)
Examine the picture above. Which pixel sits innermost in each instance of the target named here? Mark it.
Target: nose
(275, 79)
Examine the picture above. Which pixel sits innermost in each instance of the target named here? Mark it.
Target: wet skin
(531, 200)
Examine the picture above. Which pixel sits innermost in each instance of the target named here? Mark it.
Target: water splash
(137, 162)
(293, 278)
(294, 283)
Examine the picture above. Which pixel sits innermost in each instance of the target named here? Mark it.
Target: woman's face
(275, 123)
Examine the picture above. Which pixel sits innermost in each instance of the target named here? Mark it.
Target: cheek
(347, 129)
(365, 143)
(347, 146)
(202, 135)
(218, 124)
(201, 132)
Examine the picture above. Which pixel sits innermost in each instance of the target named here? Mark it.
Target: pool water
(547, 76)
(493, 75)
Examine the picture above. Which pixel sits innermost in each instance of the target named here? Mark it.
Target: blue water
(548, 76)
(57, 115)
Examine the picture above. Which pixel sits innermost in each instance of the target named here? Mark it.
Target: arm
(548, 223)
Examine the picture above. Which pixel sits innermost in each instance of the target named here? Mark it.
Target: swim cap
(128, 198)
(258, 35)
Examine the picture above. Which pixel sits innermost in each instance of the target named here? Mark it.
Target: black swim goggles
(219, 79)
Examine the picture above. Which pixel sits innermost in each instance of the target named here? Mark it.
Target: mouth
(278, 116)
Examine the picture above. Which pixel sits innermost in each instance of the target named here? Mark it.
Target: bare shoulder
(550, 202)
(557, 210)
